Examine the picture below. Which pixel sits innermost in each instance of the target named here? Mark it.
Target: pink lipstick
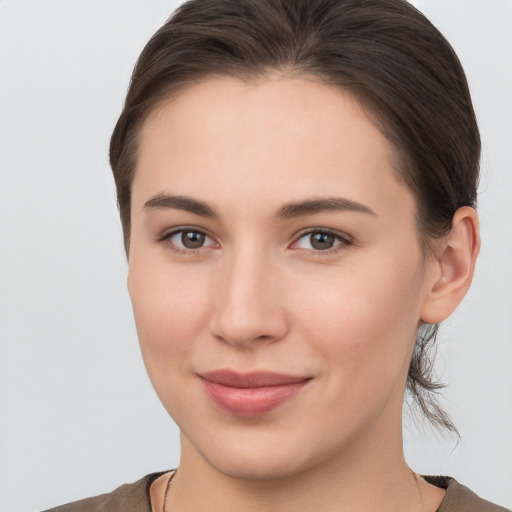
(250, 394)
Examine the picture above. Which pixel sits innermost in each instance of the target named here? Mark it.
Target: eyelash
(166, 239)
(342, 239)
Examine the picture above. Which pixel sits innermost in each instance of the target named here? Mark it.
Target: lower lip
(251, 401)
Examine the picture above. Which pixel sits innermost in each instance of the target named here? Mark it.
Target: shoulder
(461, 499)
(132, 497)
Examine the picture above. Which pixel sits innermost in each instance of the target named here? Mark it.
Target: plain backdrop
(78, 416)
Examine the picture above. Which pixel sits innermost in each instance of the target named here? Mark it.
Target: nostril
(248, 333)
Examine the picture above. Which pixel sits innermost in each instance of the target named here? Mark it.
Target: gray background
(77, 414)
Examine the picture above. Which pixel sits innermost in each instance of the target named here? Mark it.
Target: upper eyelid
(167, 233)
(165, 240)
(345, 241)
(328, 231)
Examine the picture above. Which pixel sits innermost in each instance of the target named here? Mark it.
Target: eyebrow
(164, 201)
(314, 206)
(288, 211)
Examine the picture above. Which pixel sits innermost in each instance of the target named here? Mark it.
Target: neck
(376, 479)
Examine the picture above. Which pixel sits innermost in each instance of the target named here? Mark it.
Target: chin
(255, 468)
(261, 457)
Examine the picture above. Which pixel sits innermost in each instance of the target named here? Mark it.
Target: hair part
(384, 52)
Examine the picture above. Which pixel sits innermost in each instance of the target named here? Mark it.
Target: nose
(250, 306)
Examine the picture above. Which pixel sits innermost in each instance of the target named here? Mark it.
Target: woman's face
(275, 273)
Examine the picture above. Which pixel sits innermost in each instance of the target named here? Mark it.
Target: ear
(451, 268)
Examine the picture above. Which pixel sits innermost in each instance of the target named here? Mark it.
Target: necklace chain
(171, 478)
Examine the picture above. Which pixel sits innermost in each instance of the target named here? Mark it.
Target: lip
(250, 394)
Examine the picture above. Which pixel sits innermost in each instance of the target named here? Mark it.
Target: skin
(259, 296)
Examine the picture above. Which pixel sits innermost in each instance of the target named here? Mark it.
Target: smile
(250, 394)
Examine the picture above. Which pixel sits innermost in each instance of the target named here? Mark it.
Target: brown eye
(321, 241)
(190, 239)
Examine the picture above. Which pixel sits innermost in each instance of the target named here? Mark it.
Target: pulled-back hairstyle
(385, 52)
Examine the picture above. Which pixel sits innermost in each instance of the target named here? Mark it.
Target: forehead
(281, 136)
(284, 107)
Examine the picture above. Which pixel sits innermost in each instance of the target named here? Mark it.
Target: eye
(189, 239)
(321, 240)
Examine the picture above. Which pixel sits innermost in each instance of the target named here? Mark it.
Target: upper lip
(255, 379)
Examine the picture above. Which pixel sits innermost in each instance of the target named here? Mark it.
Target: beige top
(136, 497)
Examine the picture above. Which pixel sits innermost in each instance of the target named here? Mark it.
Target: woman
(296, 181)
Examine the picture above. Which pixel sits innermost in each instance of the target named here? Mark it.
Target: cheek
(365, 321)
(170, 312)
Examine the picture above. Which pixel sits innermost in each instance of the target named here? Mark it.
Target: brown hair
(385, 52)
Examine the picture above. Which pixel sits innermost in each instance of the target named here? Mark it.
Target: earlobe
(452, 267)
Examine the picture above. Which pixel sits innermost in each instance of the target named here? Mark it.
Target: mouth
(250, 394)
